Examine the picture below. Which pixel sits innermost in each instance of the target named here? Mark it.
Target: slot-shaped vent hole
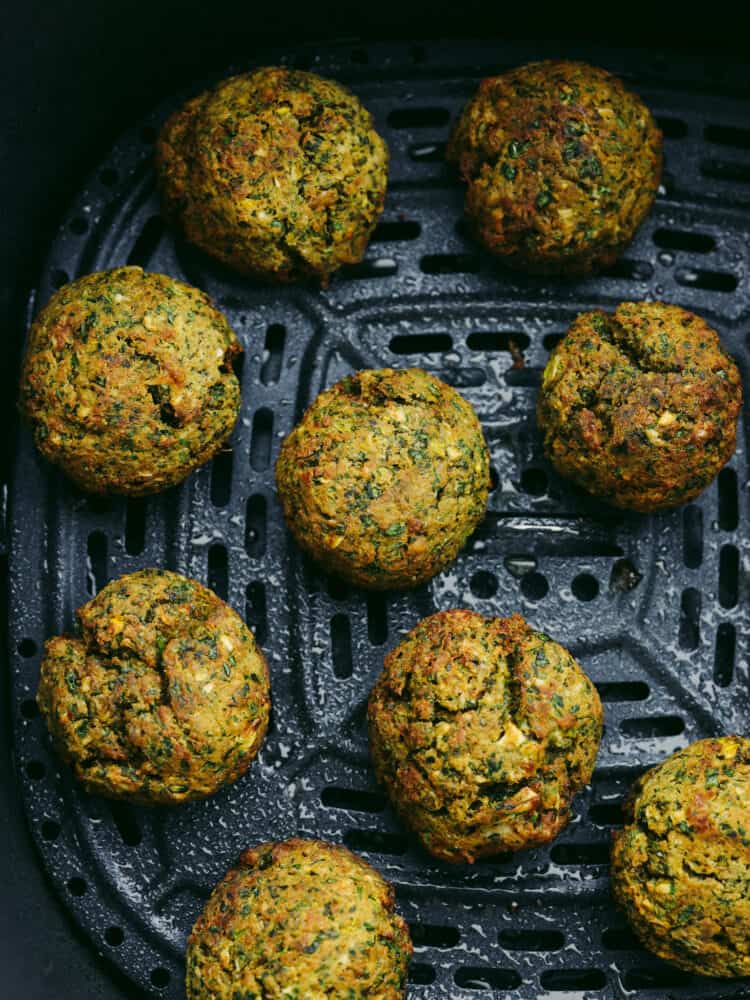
(379, 267)
(534, 482)
(341, 646)
(434, 936)
(523, 377)
(218, 570)
(690, 614)
(679, 239)
(260, 444)
(136, 509)
(692, 536)
(148, 240)
(419, 117)
(606, 813)
(376, 842)
(421, 343)
(619, 939)
(709, 281)
(96, 562)
(478, 977)
(126, 823)
(652, 727)
(377, 618)
(721, 170)
(535, 939)
(551, 340)
(729, 576)
(573, 979)
(631, 270)
(221, 478)
(256, 613)
(660, 979)
(255, 526)
(580, 854)
(386, 232)
(352, 799)
(427, 152)
(616, 691)
(492, 340)
(273, 354)
(420, 974)
(450, 263)
(726, 644)
(727, 135)
(672, 128)
(338, 588)
(728, 501)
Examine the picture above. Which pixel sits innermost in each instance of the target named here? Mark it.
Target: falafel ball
(562, 164)
(482, 730)
(277, 173)
(301, 918)
(681, 864)
(163, 697)
(128, 381)
(640, 407)
(385, 477)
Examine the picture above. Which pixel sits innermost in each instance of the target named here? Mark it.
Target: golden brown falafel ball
(128, 381)
(277, 173)
(681, 864)
(640, 407)
(562, 164)
(482, 730)
(304, 919)
(385, 477)
(164, 696)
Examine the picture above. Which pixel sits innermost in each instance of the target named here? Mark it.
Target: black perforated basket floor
(653, 606)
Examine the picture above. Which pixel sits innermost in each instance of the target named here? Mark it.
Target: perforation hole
(652, 727)
(483, 584)
(352, 799)
(135, 525)
(617, 691)
(341, 646)
(79, 225)
(429, 152)
(727, 135)
(690, 613)
(96, 549)
(35, 770)
(726, 643)
(380, 267)
(709, 281)
(619, 939)
(728, 502)
(632, 270)
(434, 936)
(573, 979)
(29, 708)
(551, 340)
(497, 340)
(273, 354)
(160, 978)
(256, 613)
(678, 239)
(523, 377)
(672, 128)
(255, 526)
(534, 586)
(377, 619)
(450, 263)
(148, 240)
(260, 443)
(126, 824)
(692, 536)
(376, 842)
(477, 977)
(606, 814)
(27, 648)
(721, 170)
(114, 936)
(218, 570)
(534, 482)
(221, 478)
(108, 176)
(585, 587)
(419, 117)
(729, 576)
(536, 939)
(421, 343)
(387, 232)
(656, 979)
(50, 829)
(580, 854)
(76, 886)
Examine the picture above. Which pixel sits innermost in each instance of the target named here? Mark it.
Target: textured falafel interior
(164, 696)
(482, 730)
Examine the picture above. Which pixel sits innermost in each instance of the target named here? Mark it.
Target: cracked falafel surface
(299, 919)
(128, 382)
(385, 477)
(164, 695)
(681, 863)
(277, 173)
(562, 164)
(482, 730)
(640, 406)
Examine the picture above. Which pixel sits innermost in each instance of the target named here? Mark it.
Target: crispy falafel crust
(301, 919)
(640, 407)
(562, 164)
(681, 863)
(163, 698)
(385, 477)
(482, 730)
(277, 173)
(128, 381)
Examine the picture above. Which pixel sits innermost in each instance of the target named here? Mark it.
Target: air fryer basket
(653, 606)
